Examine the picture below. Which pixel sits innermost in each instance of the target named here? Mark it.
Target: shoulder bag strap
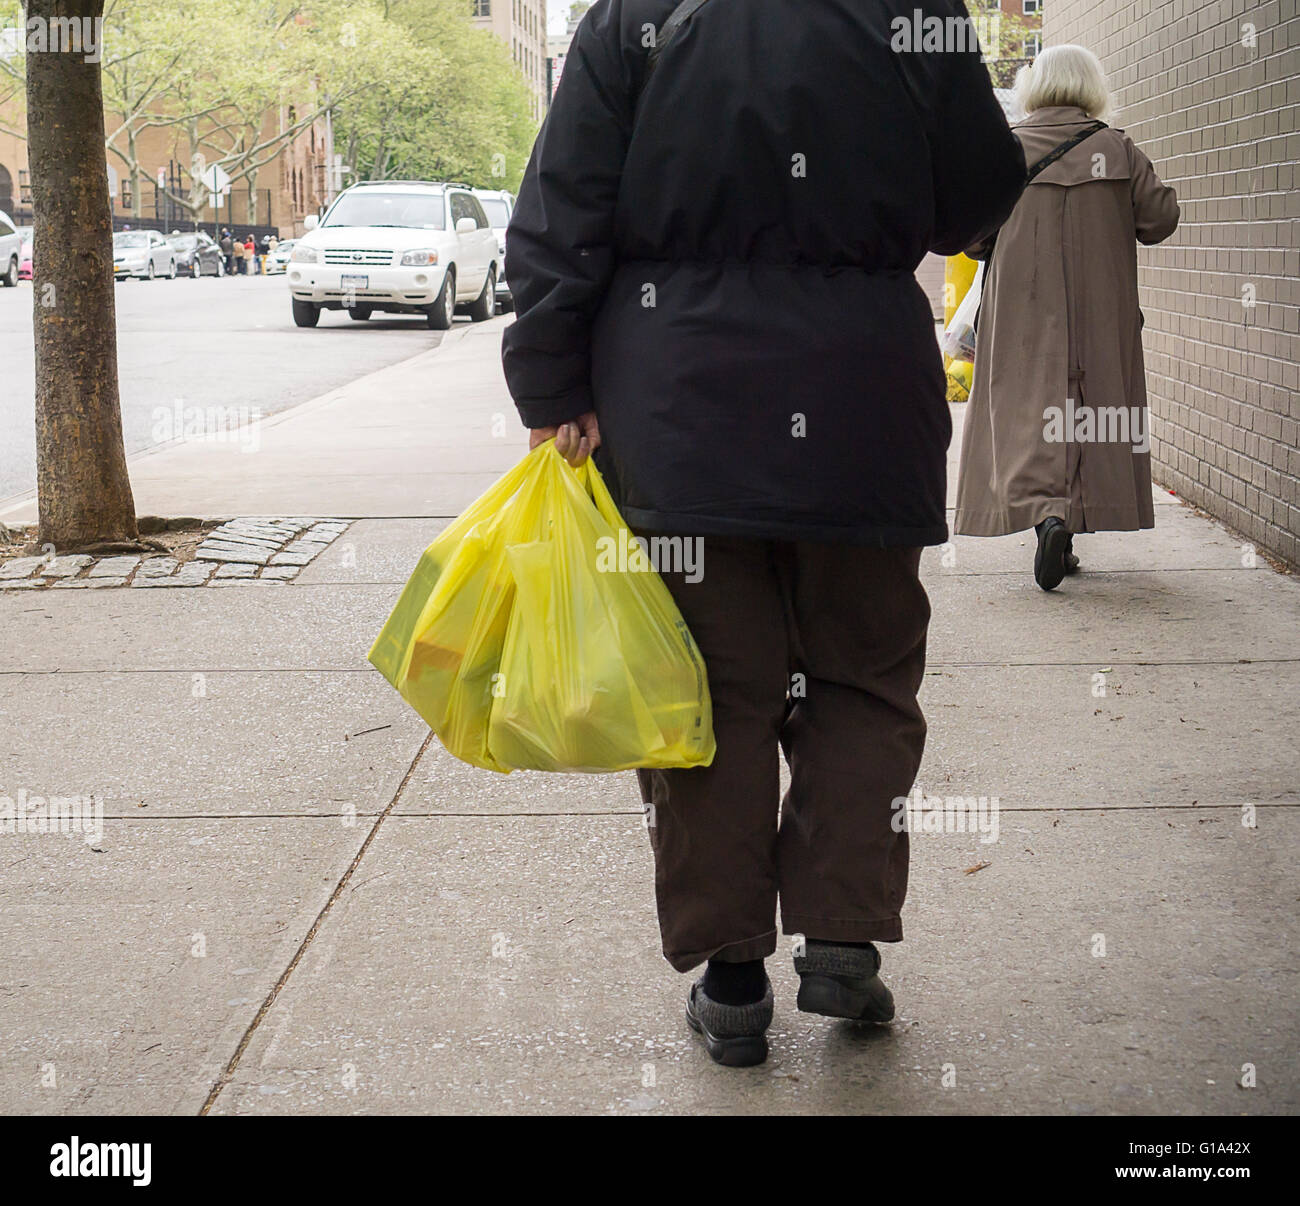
(679, 16)
(1068, 145)
(1042, 165)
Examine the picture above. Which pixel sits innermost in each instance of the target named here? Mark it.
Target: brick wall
(1220, 121)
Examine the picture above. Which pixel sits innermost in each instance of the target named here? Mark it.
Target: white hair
(1064, 75)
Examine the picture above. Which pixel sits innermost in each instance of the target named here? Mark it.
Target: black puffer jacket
(721, 265)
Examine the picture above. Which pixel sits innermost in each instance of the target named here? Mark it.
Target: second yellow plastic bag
(525, 644)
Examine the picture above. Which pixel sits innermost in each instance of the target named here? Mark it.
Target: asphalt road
(227, 342)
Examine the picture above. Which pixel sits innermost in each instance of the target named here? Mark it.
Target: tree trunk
(83, 490)
(197, 196)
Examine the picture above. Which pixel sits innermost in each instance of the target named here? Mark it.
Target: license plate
(354, 280)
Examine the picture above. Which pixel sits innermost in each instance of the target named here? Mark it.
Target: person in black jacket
(712, 264)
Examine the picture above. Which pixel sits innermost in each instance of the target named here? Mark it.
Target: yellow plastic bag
(524, 645)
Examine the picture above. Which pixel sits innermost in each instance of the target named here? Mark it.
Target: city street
(214, 342)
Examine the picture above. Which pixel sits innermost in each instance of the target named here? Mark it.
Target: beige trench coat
(1057, 422)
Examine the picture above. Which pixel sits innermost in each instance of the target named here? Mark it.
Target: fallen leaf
(977, 867)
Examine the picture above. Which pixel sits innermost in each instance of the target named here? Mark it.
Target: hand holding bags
(524, 645)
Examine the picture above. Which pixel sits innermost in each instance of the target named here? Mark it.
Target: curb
(18, 502)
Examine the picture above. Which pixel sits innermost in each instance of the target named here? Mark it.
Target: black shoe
(1049, 560)
(843, 982)
(735, 1035)
(1071, 561)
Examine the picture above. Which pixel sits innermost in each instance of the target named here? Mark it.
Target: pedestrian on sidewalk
(227, 245)
(249, 248)
(1056, 435)
(712, 260)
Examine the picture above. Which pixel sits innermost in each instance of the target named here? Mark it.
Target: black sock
(735, 983)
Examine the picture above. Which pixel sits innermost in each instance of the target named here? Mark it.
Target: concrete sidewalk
(300, 904)
(406, 440)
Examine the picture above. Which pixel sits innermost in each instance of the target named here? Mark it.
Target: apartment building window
(1031, 7)
(482, 8)
(1033, 44)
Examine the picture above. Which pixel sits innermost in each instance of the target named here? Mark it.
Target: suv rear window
(498, 211)
(366, 207)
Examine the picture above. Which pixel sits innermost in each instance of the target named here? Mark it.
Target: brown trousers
(817, 649)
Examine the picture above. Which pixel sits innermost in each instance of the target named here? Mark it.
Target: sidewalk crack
(232, 1065)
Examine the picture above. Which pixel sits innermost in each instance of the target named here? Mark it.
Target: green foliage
(413, 86)
(445, 102)
(1002, 36)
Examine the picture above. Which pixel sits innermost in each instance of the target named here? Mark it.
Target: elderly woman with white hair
(1055, 435)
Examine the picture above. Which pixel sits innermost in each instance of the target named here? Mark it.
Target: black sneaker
(735, 1035)
(843, 982)
(1049, 560)
(1071, 561)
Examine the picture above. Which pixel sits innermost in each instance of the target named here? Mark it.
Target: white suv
(402, 246)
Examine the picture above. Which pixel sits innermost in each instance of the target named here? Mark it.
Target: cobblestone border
(240, 550)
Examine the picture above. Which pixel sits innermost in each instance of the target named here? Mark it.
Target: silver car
(144, 254)
(499, 205)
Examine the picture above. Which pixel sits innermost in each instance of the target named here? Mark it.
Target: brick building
(1210, 90)
(295, 183)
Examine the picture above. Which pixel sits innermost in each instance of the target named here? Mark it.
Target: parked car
(25, 255)
(144, 254)
(11, 247)
(196, 254)
(400, 246)
(278, 260)
(499, 206)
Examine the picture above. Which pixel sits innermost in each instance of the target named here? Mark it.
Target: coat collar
(1056, 115)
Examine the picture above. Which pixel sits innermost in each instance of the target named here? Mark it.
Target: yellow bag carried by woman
(524, 644)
